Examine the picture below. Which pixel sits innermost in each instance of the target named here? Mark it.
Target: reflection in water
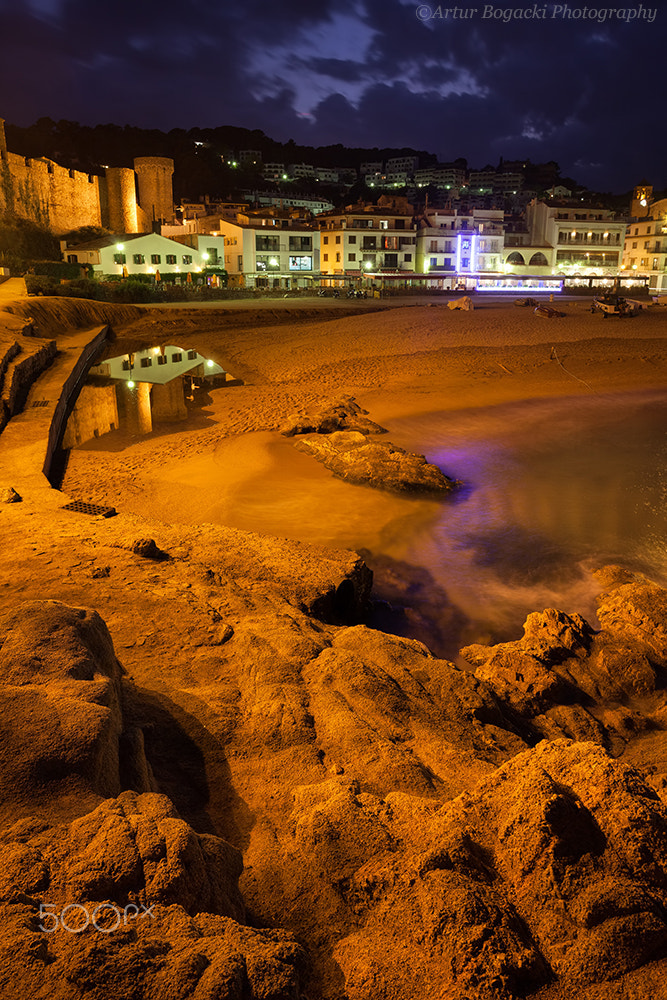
(553, 489)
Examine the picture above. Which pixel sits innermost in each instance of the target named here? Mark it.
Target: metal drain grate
(80, 507)
(41, 402)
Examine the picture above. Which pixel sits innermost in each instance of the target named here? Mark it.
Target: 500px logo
(75, 925)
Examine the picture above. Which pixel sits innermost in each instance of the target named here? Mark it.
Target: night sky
(586, 90)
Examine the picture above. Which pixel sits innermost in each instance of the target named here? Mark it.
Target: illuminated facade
(270, 249)
(454, 246)
(371, 241)
(574, 239)
(147, 254)
(645, 248)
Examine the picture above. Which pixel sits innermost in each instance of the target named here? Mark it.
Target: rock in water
(352, 457)
(343, 415)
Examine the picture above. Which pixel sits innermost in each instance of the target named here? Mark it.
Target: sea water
(550, 490)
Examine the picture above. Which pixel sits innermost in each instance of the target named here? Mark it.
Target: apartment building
(270, 248)
(645, 246)
(376, 242)
(454, 245)
(576, 239)
(446, 176)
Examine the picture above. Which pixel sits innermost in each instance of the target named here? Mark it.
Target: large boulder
(60, 704)
(553, 866)
(343, 415)
(352, 457)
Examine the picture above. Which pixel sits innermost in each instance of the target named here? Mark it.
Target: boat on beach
(615, 305)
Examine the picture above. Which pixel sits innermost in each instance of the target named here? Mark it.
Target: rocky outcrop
(60, 698)
(343, 415)
(553, 866)
(565, 678)
(352, 457)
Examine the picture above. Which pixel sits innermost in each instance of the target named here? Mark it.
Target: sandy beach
(395, 362)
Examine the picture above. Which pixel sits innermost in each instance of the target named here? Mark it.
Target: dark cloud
(361, 72)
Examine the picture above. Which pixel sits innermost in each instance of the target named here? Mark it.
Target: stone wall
(95, 413)
(50, 195)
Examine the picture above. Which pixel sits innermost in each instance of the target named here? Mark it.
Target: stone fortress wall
(61, 199)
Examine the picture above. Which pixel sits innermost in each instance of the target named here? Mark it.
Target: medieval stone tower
(120, 214)
(156, 196)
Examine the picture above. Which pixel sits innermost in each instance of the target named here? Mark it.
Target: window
(646, 243)
(156, 258)
(634, 246)
(146, 362)
(72, 258)
(177, 357)
(338, 258)
(119, 258)
(138, 258)
(161, 359)
(384, 224)
(407, 257)
(338, 239)
(391, 260)
(325, 256)
(192, 355)
(302, 263)
(300, 243)
(171, 258)
(352, 256)
(267, 243)
(352, 239)
(637, 231)
(126, 366)
(433, 262)
(433, 246)
(187, 258)
(325, 239)
(265, 262)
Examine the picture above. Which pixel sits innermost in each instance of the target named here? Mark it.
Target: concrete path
(12, 290)
(24, 440)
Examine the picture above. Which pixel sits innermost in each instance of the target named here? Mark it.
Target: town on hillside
(395, 224)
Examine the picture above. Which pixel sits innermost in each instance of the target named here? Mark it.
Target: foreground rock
(563, 678)
(556, 865)
(352, 457)
(343, 415)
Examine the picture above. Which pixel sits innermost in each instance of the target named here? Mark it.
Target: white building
(297, 170)
(576, 240)
(401, 164)
(455, 247)
(270, 249)
(147, 253)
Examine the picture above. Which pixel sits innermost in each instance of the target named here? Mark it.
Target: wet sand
(397, 363)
